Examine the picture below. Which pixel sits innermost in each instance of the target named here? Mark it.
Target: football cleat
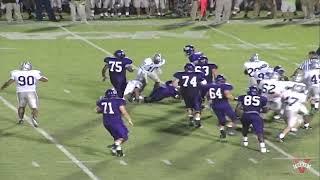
(264, 150)
(113, 150)
(191, 122)
(245, 143)
(20, 121)
(120, 153)
(35, 123)
(197, 124)
(223, 134)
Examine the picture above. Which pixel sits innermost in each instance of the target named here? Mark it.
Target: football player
(272, 89)
(26, 83)
(112, 108)
(117, 66)
(252, 104)
(295, 109)
(219, 93)
(253, 65)
(163, 91)
(150, 68)
(210, 70)
(191, 53)
(312, 79)
(190, 83)
(133, 90)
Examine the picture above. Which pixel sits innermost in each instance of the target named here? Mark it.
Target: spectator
(271, 4)
(223, 10)
(194, 9)
(307, 7)
(288, 7)
(47, 6)
(57, 7)
(29, 5)
(12, 5)
(78, 7)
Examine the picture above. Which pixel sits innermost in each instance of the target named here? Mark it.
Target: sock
(281, 135)
(197, 118)
(316, 105)
(117, 143)
(245, 139)
(306, 125)
(262, 145)
(118, 148)
(221, 129)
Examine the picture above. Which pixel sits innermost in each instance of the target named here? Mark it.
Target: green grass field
(160, 146)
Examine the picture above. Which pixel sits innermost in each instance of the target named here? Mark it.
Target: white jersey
(271, 88)
(260, 74)
(294, 100)
(149, 66)
(26, 81)
(131, 85)
(253, 66)
(312, 78)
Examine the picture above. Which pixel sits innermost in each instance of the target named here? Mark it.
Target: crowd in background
(223, 10)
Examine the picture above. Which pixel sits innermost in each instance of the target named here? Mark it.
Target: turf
(160, 132)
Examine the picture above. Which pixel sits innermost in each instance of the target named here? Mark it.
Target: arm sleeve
(12, 75)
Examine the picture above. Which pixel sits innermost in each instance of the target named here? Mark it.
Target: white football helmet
(255, 58)
(300, 88)
(26, 66)
(157, 58)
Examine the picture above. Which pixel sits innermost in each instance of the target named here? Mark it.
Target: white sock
(197, 118)
(245, 138)
(117, 143)
(221, 128)
(316, 105)
(306, 125)
(262, 145)
(281, 135)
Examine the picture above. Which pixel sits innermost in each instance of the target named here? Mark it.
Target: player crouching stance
(26, 83)
(112, 107)
(252, 104)
(295, 110)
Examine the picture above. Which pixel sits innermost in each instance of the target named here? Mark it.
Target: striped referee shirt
(306, 65)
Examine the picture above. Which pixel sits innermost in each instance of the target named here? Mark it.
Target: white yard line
(167, 162)
(67, 162)
(54, 141)
(67, 91)
(209, 161)
(122, 162)
(289, 156)
(254, 161)
(89, 42)
(250, 44)
(5, 48)
(35, 164)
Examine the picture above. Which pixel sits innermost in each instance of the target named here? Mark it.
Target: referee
(307, 64)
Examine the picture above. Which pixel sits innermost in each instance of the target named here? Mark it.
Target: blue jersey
(111, 109)
(190, 82)
(252, 104)
(117, 68)
(207, 70)
(216, 92)
(194, 56)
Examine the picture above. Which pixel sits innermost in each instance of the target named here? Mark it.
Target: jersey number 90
(29, 80)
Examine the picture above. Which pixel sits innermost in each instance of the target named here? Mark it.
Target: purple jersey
(194, 56)
(252, 104)
(207, 70)
(110, 109)
(190, 82)
(216, 92)
(117, 68)
(162, 92)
